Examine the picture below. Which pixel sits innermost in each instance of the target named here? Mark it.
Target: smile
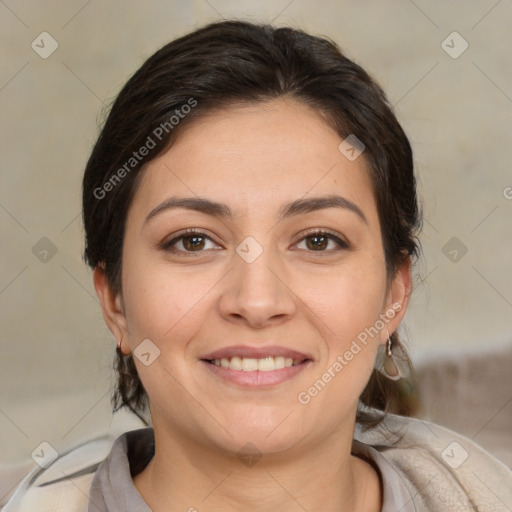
(250, 364)
(261, 373)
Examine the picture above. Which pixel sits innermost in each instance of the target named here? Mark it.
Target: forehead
(255, 158)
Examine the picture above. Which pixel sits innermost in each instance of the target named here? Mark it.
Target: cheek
(167, 307)
(361, 301)
(163, 304)
(349, 301)
(351, 309)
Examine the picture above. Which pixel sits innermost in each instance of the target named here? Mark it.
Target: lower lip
(257, 378)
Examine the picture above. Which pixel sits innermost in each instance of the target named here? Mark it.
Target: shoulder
(442, 469)
(64, 484)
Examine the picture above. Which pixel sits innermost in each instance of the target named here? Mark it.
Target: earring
(390, 368)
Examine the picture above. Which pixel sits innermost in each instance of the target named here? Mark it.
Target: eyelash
(167, 246)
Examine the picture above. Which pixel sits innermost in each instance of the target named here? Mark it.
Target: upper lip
(256, 352)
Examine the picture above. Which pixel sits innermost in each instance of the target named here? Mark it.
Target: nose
(257, 291)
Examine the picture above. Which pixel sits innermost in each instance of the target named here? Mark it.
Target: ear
(397, 298)
(112, 307)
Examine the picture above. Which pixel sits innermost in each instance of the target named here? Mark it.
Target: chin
(258, 443)
(266, 433)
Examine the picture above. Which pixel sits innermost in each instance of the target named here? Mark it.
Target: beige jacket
(442, 470)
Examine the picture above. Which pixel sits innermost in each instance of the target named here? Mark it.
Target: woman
(251, 217)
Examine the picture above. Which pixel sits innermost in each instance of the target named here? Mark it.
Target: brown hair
(236, 61)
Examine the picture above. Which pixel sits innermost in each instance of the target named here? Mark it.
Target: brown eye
(318, 241)
(191, 241)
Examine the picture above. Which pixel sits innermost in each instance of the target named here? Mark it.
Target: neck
(183, 476)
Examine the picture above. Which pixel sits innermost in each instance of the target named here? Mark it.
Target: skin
(254, 158)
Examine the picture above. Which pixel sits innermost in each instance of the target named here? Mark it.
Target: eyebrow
(291, 209)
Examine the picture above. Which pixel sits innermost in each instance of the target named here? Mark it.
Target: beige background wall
(56, 351)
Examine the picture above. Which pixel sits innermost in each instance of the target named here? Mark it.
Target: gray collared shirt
(112, 489)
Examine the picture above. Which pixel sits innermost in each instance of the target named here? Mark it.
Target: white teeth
(235, 363)
(250, 364)
(267, 364)
(279, 362)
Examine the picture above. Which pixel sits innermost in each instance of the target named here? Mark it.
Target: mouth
(251, 364)
(261, 367)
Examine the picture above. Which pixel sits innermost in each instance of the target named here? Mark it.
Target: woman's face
(256, 282)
